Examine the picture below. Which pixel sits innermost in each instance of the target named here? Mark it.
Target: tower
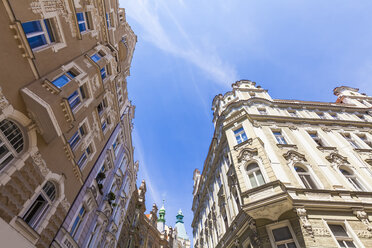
(181, 238)
(161, 219)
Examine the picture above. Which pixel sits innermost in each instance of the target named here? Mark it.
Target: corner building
(286, 173)
(64, 109)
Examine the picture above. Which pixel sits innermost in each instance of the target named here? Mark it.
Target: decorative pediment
(336, 158)
(246, 154)
(294, 156)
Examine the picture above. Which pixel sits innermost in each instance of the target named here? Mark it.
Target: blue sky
(190, 51)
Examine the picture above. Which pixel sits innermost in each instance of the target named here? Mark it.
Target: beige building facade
(63, 93)
(286, 173)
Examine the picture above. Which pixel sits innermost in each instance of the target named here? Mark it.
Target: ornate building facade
(64, 112)
(286, 173)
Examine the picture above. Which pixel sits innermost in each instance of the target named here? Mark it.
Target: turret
(161, 219)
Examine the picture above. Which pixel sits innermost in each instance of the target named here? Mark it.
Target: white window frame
(4, 141)
(80, 96)
(349, 178)
(244, 171)
(319, 137)
(308, 172)
(347, 228)
(239, 134)
(285, 137)
(350, 140)
(74, 232)
(271, 227)
(43, 32)
(86, 21)
(87, 157)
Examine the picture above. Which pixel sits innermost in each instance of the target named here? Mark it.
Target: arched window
(40, 205)
(254, 174)
(305, 177)
(11, 142)
(352, 178)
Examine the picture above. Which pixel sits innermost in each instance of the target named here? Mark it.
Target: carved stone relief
(301, 212)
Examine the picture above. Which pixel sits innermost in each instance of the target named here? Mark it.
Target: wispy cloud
(153, 193)
(148, 14)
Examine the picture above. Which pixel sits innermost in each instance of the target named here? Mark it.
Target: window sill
(286, 146)
(26, 230)
(326, 148)
(246, 142)
(363, 149)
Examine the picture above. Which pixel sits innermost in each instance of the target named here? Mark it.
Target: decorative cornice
(294, 156)
(247, 153)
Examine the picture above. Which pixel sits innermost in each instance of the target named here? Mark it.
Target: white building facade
(286, 173)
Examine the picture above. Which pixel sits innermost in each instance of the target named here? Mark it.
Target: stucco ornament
(336, 159)
(247, 154)
(301, 212)
(4, 103)
(363, 217)
(65, 204)
(40, 163)
(294, 156)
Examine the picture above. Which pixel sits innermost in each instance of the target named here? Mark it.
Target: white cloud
(151, 190)
(147, 14)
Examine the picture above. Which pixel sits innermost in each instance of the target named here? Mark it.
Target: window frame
(68, 75)
(84, 157)
(44, 209)
(77, 222)
(351, 235)
(271, 227)
(81, 95)
(303, 174)
(317, 139)
(283, 137)
(352, 179)
(10, 151)
(86, 21)
(367, 142)
(254, 172)
(47, 31)
(239, 134)
(351, 141)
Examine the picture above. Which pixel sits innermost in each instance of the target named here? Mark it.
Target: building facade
(286, 173)
(63, 96)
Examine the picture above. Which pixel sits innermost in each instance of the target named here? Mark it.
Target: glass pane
(252, 166)
(338, 230)
(310, 181)
(61, 81)
(34, 210)
(244, 136)
(49, 30)
(282, 233)
(37, 41)
(80, 16)
(71, 74)
(32, 27)
(252, 179)
(6, 161)
(238, 139)
(350, 244)
(299, 169)
(291, 245)
(238, 130)
(341, 243)
(73, 95)
(260, 177)
(82, 27)
(95, 57)
(103, 73)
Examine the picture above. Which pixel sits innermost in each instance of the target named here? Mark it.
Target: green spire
(162, 214)
(179, 217)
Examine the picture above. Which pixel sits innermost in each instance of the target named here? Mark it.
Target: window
(262, 111)
(334, 116)
(305, 177)
(119, 92)
(352, 142)
(340, 234)
(103, 73)
(101, 106)
(76, 98)
(352, 179)
(240, 135)
(84, 157)
(317, 139)
(83, 21)
(108, 20)
(95, 57)
(39, 33)
(364, 138)
(283, 237)
(40, 205)
(104, 124)
(64, 79)
(321, 115)
(75, 139)
(279, 137)
(254, 175)
(77, 222)
(116, 145)
(11, 142)
(293, 113)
